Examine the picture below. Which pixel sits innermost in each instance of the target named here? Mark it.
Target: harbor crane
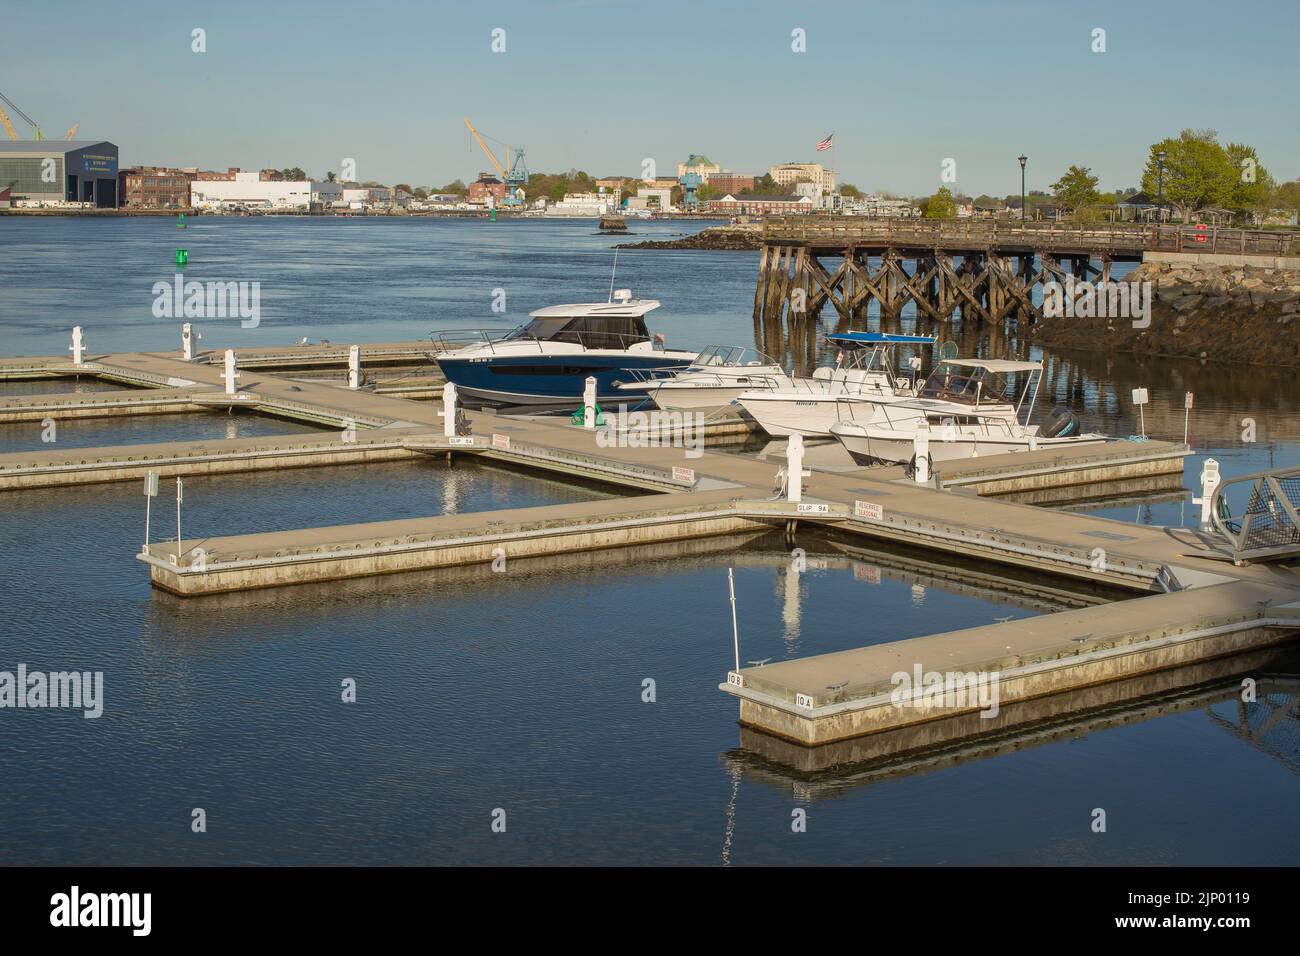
(8, 124)
(515, 178)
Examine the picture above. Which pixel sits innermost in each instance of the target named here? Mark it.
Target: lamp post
(1160, 182)
(1024, 209)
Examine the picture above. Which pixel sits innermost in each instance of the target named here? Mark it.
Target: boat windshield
(593, 332)
(875, 359)
(965, 384)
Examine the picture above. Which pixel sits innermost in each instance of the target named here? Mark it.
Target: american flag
(825, 144)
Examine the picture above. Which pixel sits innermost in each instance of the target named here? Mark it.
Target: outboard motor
(1061, 424)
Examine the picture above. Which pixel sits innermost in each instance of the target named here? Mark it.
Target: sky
(604, 85)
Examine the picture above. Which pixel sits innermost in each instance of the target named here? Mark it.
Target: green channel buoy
(182, 256)
(180, 221)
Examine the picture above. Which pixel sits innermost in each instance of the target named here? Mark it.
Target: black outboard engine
(1061, 424)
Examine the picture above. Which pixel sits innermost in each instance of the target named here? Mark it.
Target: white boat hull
(868, 446)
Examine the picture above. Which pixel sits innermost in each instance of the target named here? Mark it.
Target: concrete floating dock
(1142, 599)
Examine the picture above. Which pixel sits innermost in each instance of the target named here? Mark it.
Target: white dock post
(78, 345)
(187, 341)
(794, 473)
(921, 453)
(1140, 398)
(1209, 484)
(230, 375)
(354, 367)
(449, 410)
(1188, 399)
(150, 493)
(589, 403)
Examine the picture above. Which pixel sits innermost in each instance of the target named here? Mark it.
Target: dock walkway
(1188, 603)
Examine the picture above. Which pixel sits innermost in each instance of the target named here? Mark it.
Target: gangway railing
(1269, 528)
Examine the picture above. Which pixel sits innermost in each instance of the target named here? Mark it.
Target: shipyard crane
(515, 178)
(9, 126)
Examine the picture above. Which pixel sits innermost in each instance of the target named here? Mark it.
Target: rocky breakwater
(1208, 310)
(739, 238)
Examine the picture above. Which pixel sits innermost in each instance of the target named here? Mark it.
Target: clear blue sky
(602, 84)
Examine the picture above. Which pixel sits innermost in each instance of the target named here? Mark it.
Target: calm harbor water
(523, 689)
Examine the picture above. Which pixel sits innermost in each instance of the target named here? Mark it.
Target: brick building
(154, 187)
(485, 186)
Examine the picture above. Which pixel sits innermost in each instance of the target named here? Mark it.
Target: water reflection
(1269, 723)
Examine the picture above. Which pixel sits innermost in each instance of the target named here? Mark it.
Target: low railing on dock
(1269, 529)
(1037, 236)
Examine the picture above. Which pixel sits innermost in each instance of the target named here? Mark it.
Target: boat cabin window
(589, 331)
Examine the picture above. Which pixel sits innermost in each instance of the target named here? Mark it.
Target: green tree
(765, 185)
(1076, 189)
(456, 188)
(1198, 172)
(330, 177)
(1253, 189)
(940, 205)
(706, 192)
(850, 191)
(1288, 195)
(293, 174)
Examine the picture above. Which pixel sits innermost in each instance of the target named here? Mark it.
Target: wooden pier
(1186, 602)
(984, 271)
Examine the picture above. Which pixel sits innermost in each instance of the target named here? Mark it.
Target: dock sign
(868, 509)
(811, 509)
(683, 474)
(501, 441)
(461, 440)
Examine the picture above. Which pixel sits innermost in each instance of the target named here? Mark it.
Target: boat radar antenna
(612, 275)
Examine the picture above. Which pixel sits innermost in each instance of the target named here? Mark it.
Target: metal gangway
(1269, 529)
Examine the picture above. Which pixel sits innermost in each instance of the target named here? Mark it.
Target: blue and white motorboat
(547, 361)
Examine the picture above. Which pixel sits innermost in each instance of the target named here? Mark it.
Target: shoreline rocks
(1238, 314)
(731, 238)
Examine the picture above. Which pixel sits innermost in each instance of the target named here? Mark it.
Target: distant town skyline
(606, 86)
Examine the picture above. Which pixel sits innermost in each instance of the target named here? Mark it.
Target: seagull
(840, 686)
(1080, 640)
(758, 663)
(304, 341)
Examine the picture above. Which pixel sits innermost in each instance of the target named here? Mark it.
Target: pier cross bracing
(1188, 604)
(984, 271)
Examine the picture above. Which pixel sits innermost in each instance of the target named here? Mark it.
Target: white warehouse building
(250, 190)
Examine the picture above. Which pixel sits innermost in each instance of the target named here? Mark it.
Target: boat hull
(874, 446)
(550, 380)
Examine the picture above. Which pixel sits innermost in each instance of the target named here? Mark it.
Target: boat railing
(453, 339)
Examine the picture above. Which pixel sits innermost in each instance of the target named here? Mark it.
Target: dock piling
(78, 345)
(230, 374)
(354, 367)
(589, 402)
(187, 342)
(449, 410)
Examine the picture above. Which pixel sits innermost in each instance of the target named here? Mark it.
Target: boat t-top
(966, 408)
(865, 369)
(547, 361)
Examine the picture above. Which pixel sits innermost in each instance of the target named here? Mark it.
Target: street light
(1024, 210)
(1160, 180)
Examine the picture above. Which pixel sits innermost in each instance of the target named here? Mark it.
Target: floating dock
(1158, 599)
